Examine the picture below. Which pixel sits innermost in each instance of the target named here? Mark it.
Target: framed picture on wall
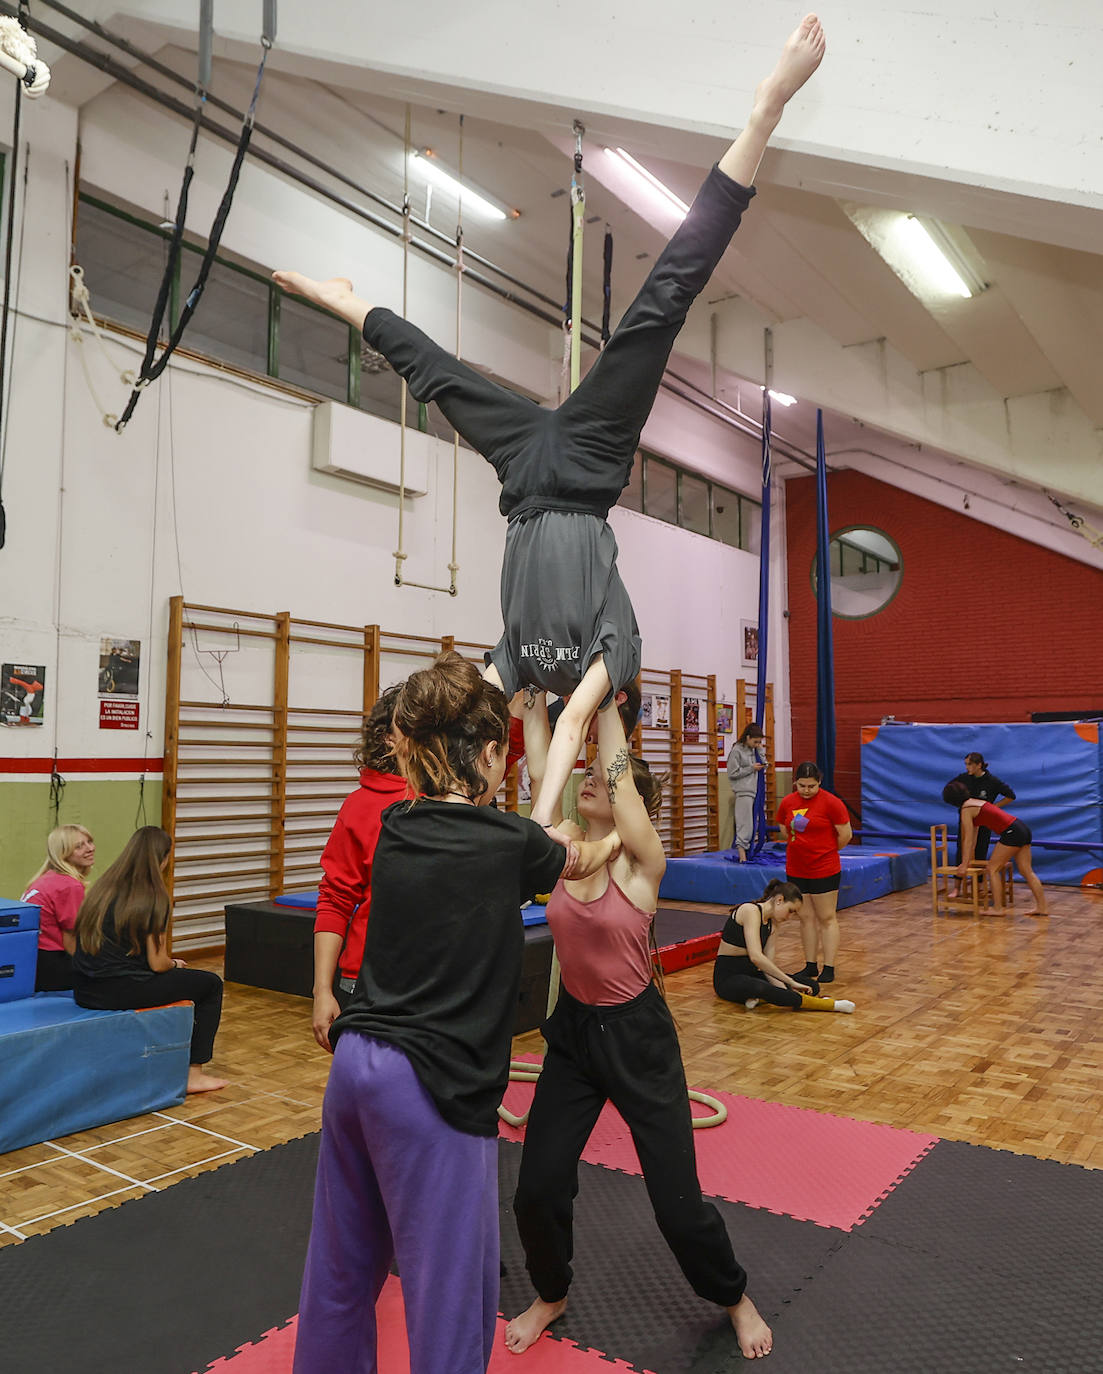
(749, 632)
(647, 709)
(691, 719)
(725, 714)
(661, 710)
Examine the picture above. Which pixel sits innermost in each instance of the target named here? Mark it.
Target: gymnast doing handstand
(569, 626)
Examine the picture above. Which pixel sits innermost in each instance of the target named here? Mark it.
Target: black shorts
(1016, 835)
(811, 885)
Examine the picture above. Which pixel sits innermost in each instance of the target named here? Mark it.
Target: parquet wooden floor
(988, 1031)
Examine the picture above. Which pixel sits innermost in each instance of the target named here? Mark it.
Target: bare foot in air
(200, 1082)
(756, 1340)
(524, 1330)
(802, 54)
(336, 294)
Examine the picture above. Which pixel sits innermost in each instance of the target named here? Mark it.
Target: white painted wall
(210, 490)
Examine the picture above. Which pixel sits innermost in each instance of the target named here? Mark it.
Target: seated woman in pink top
(57, 889)
(1013, 842)
(611, 1038)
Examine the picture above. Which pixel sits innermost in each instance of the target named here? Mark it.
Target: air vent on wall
(365, 449)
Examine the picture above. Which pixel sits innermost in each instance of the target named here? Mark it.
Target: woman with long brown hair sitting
(122, 960)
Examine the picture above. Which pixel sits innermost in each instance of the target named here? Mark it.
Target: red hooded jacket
(344, 897)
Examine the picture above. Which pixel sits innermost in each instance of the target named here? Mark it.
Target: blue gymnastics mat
(717, 877)
(1055, 768)
(64, 1068)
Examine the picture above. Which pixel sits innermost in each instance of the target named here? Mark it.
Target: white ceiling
(1038, 327)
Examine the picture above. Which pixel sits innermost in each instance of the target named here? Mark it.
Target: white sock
(751, 1003)
(841, 1004)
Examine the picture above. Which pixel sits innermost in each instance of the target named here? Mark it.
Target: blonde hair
(133, 888)
(60, 844)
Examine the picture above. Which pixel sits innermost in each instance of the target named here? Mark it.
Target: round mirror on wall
(866, 571)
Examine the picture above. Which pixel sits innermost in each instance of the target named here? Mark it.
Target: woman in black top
(745, 969)
(122, 961)
(408, 1162)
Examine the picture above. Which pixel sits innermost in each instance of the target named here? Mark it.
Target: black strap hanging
(606, 285)
(151, 367)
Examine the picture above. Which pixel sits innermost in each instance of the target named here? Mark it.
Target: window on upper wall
(243, 319)
(665, 491)
(866, 571)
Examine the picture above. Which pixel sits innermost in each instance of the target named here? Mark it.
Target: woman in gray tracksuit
(745, 762)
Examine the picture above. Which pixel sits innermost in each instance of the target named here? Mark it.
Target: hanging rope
(399, 553)
(153, 366)
(578, 222)
(761, 820)
(825, 653)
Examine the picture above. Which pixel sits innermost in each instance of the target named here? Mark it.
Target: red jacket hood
(385, 784)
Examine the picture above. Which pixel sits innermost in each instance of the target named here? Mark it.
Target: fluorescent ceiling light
(938, 257)
(426, 163)
(646, 180)
(781, 397)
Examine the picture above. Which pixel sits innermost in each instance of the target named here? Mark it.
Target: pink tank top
(602, 945)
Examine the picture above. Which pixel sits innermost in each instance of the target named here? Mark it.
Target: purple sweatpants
(396, 1181)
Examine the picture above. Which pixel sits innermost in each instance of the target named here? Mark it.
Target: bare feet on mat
(756, 1340)
(742, 854)
(524, 1330)
(200, 1082)
(802, 54)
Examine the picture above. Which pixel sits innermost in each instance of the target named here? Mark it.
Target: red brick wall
(985, 627)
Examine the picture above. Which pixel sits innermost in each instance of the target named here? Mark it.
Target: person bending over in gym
(569, 626)
(1013, 842)
(408, 1163)
(611, 1038)
(746, 969)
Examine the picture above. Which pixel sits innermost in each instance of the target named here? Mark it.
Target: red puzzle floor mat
(830, 1170)
(274, 1352)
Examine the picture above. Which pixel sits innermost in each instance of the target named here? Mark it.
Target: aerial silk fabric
(825, 654)
(760, 817)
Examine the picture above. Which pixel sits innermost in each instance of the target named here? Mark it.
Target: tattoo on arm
(531, 693)
(616, 771)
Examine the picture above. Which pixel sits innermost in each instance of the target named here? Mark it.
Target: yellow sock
(808, 1003)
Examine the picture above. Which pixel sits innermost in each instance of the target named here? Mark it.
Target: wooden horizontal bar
(322, 743)
(229, 630)
(222, 610)
(322, 711)
(216, 801)
(220, 722)
(260, 891)
(322, 730)
(229, 743)
(227, 820)
(213, 705)
(301, 868)
(226, 856)
(397, 634)
(356, 647)
(217, 837)
(332, 625)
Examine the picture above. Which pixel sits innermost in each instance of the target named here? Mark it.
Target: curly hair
(376, 748)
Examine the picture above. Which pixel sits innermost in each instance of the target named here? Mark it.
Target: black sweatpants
(53, 971)
(158, 990)
(628, 1055)
(736, 984)
(563, 602)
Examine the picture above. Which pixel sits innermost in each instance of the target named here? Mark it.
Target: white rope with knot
(19, 55)
(81, 304)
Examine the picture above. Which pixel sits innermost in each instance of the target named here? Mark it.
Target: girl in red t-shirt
(57, 889)
(1013, 842)
(814, 826)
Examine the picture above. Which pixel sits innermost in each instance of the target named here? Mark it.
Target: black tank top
(732, 934)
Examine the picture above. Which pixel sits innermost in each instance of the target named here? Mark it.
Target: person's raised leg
(1024, 863)
(493, 419)
(608, 410)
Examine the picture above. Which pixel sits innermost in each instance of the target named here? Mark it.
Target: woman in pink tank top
(611, 1038)
(1013, 842)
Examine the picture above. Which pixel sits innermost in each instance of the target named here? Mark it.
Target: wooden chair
(976, 891)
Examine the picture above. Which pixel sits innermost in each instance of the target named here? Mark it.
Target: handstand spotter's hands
(336, 295)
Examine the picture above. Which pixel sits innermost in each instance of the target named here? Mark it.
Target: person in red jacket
(815, 825)
(344, 896)
(1013, 842)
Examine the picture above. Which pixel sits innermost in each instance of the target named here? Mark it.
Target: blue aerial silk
(760, 818)
(825, 655)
